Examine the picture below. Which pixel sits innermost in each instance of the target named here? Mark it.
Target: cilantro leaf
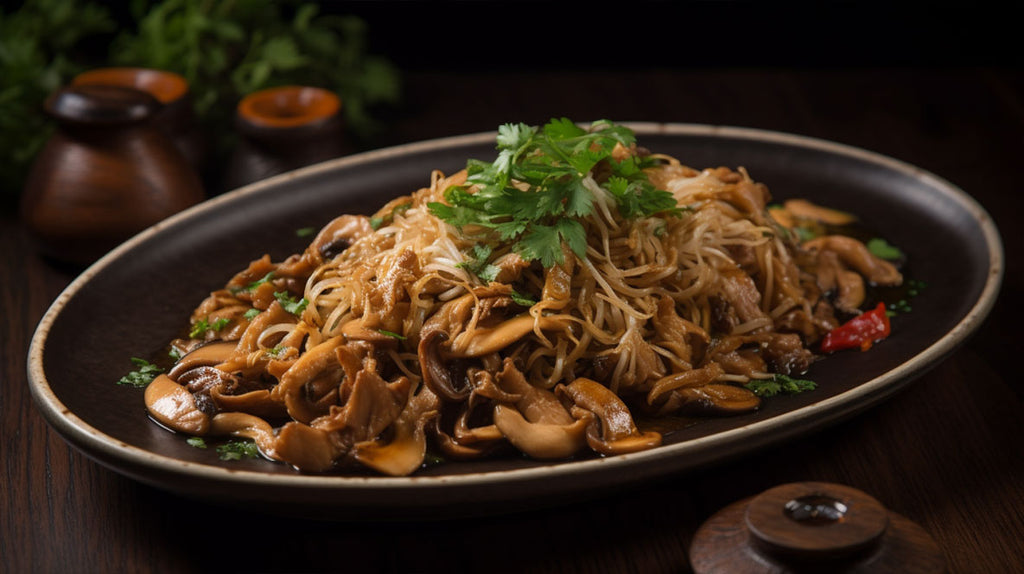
(522, 300)
(202, 326)
(478, 265)
(779, 384)
(880, 248)
(237, 450)
(142, 375)
(288, 302)
(538, 190)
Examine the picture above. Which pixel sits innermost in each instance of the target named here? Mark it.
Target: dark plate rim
(156, 468)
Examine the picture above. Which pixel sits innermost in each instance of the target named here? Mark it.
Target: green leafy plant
(224, 49)
(229, 49)
(39, 44)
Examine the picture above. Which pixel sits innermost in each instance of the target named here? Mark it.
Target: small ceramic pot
(107, 173)
(284, 128)
(176, 116)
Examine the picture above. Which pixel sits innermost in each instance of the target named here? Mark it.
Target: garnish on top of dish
(541, 303)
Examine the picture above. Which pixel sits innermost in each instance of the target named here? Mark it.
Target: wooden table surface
(945, 452)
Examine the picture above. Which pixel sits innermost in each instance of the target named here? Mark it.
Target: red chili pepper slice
(860, 332)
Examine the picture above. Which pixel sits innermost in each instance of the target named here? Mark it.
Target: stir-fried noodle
(398, 334)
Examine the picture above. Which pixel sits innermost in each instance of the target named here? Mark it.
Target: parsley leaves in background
(41, 48)
(225, 50)
(144, 373)
(553, 164)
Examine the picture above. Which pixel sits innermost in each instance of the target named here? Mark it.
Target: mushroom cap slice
(305, 447)
(207, 355)
(544, 441)
(408, 446)
(612, 430)
(171, 405)
(716, 399)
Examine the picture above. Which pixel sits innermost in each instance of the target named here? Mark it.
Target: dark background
(533, 35)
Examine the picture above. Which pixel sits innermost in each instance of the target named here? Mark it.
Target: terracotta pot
(176, 117)
(281, 129)
(107, 173)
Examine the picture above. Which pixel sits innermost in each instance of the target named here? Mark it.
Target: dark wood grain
(945, 453)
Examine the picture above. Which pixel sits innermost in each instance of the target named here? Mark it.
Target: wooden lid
(812, 527)
(165, 86)
(100, 105)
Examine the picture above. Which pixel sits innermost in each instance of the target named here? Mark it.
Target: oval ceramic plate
(131, 302)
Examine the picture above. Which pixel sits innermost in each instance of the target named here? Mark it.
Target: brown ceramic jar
(176, 116)
(107, 173)
(284, 128)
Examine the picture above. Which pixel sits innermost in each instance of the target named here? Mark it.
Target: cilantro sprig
(538, 190)
(779, 384)
(144, 373)
(202, 326)
(289, 303)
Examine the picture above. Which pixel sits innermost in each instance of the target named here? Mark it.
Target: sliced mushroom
(487, 340)
(855, 255)
(807, 210)
(306, 369)
(612, 430)
(404, 453)
(540, 440)
(716, 399)
(305, 447)
(686, 379)
(437, 373)
(171, 405)
(206, 355)
(247, 426)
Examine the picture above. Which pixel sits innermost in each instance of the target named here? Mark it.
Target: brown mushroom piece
(806, 210)
(437, 373)
(207, 355)
(405, 452)
(306, 448)
(612, 430)
(171, 405)
(247, 426)
(716, 399)
(537, 424)
(855, 255)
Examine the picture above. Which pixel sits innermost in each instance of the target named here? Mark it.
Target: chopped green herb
(196, 441)
(522, 300)
(175, 354)
(376, 223)
(398, 336)
(276, 351)
(237, 450)
(251, 314)
(142, 375)
(779, 384)
(805, 233)
(305, 231)
(289, 303)
(252, 286)
(554, 164)
(479, 266)
(202, 326)
(880, 248)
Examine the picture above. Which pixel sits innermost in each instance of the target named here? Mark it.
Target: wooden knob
(812, 527)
